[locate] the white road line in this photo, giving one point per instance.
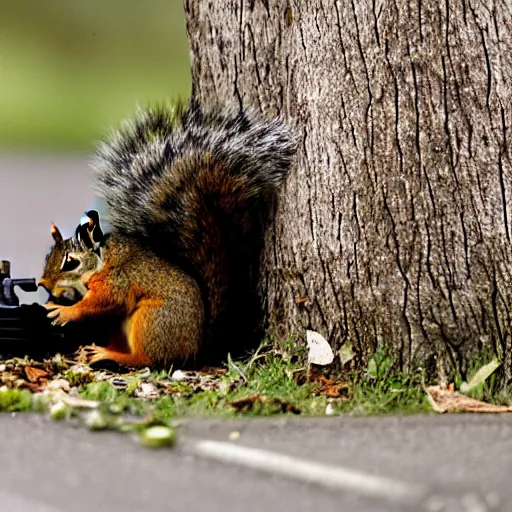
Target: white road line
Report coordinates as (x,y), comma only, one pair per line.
(326,475)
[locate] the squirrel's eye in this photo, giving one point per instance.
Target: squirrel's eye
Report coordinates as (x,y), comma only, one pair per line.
(69,263)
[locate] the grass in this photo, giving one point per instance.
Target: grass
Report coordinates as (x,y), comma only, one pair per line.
(275,380)
(491,389)
(13,400)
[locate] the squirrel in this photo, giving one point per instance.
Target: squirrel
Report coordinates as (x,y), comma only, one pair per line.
(189,191)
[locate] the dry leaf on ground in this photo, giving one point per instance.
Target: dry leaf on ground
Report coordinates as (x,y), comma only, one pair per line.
(34,374)
(247,403)
(444,400)
(329,387)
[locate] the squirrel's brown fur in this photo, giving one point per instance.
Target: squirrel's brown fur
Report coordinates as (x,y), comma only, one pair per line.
(188,194)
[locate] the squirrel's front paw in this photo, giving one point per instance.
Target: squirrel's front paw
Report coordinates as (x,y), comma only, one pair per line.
(60,315)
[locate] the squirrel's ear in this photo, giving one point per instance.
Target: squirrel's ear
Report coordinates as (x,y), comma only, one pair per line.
(57,237)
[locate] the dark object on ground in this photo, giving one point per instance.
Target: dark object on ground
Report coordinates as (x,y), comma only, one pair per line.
(25,329)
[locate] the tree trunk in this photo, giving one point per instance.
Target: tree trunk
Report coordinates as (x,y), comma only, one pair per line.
(394,227)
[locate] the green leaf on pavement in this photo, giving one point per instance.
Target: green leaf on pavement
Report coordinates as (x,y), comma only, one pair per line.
(157,436)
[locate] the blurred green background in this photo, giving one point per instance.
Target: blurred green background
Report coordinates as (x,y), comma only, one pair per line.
(70,69)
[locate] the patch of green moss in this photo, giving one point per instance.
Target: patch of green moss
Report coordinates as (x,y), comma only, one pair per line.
(12,400)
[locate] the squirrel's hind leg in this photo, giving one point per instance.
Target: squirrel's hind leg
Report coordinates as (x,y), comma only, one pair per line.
(95,354)
(169,332)
(155,334)
(125,347)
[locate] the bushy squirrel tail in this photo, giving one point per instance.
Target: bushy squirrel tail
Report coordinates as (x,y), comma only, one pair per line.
(195,185)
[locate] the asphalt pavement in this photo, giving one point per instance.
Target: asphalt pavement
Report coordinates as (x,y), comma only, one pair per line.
(460,463)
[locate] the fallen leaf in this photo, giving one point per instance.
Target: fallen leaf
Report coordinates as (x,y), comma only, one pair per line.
(346,354)
(119,383)
(329,410)
(319,350)
(213,371)
(285,406)
(34,374)
(59,384)
(158,436)
(247,403)
(444,400)
(146,390)
(76,402)
(480,376)
(328,387)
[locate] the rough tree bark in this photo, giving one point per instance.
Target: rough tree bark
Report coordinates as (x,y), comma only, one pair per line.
(395,226)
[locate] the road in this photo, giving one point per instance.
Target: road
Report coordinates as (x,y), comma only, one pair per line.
(458,463)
